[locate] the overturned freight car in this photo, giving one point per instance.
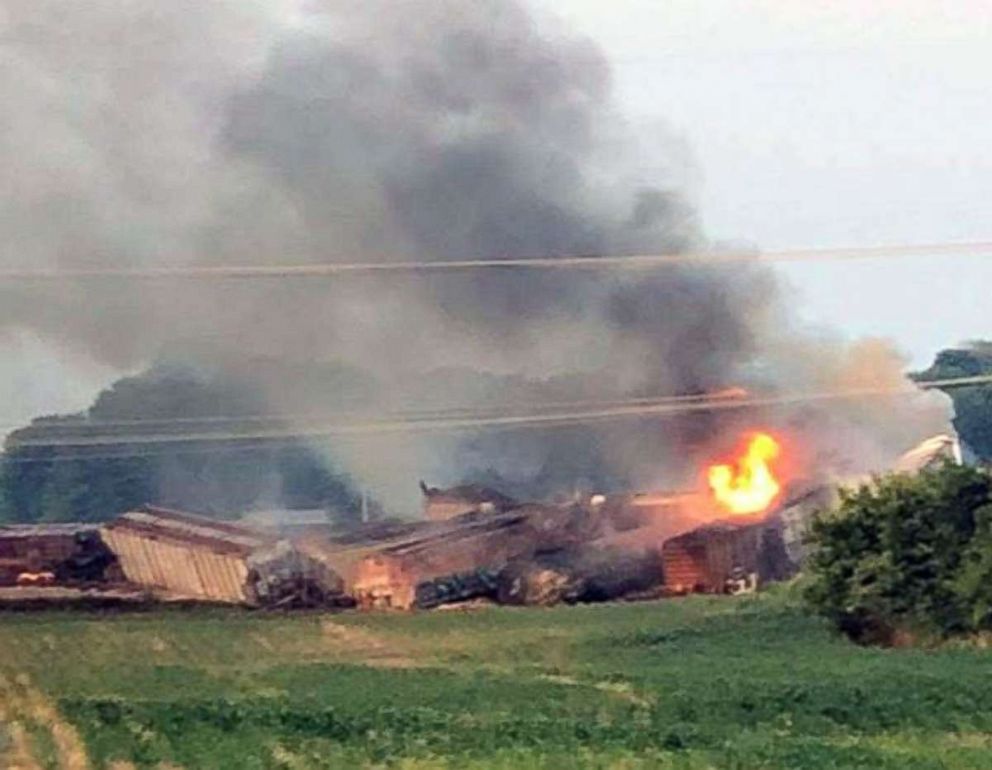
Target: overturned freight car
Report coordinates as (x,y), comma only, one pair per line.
(183,554)
(190,556)
(461,559)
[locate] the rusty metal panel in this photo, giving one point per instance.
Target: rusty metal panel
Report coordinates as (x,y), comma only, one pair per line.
(116,544)
(203,560)
(199,565)
(231,584)
(222,586)
(240,578)
(159,563)
(206,566)
(156,562)
(125,547)
(187,572)
(213,566)
(138,564)
(219,586)
(176,562)
(143,552)
(193,577)
(218,576)
(146,558)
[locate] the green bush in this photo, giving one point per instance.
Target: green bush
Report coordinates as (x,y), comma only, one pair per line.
(907,556)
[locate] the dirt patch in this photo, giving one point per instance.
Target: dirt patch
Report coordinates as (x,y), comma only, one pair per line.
(351,637)
(365,646)
(621,690)
(158,644)
(262,642)
(471,605)
(21,705)
(624,691)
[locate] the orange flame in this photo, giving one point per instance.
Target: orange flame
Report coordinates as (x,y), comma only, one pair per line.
(751,486)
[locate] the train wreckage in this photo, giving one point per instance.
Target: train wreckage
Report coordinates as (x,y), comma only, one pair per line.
(473,544)
(531,554)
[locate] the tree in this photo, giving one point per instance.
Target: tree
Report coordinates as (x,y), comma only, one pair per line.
(70,483)
(972,405)
(905,553)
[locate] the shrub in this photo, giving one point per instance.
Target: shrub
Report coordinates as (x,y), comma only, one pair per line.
(907,555)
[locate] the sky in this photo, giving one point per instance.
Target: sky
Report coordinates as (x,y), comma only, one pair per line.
(821,124)
(799,124)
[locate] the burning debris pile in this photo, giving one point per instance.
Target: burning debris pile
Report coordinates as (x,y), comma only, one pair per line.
(598,549)
(745,531)
(589,573)
(400,575)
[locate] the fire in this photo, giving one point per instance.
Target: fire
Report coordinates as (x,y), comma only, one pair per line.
(751,486)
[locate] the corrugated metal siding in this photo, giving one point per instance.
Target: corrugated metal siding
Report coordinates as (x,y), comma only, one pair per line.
(684,570)
(703,559)
(183,568)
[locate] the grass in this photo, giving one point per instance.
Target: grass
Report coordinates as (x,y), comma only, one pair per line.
(695,683)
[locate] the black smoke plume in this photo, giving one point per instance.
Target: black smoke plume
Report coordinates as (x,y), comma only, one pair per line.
(313,132)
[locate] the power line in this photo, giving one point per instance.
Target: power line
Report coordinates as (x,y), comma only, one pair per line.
(583,262)
(461,423)
(73,423)
(162,452)
(728,395)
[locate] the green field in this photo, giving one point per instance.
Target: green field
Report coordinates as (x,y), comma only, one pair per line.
(694,683)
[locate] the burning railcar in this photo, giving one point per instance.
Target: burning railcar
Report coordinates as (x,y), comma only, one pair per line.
(705,559)
(404,574)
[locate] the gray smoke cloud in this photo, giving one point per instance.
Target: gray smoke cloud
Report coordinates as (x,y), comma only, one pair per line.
(284,131)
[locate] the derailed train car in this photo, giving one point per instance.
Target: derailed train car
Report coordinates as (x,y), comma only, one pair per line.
(189,556)
(460,560)
(719,557)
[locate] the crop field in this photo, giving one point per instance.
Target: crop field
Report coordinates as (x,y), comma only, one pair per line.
(694,683)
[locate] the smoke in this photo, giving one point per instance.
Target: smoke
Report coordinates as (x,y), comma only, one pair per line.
(861,435)
(310,132)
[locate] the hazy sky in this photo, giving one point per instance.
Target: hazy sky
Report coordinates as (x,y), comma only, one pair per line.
(805,124)
(828,123)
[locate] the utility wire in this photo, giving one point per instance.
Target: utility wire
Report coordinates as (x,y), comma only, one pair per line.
(413,415)
(461,423)
(79,423)
(584,262)
(159,452)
